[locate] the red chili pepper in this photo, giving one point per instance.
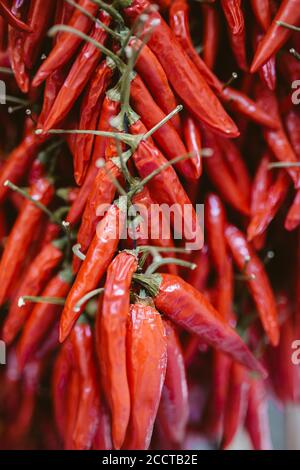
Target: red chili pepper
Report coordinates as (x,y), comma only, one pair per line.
(152,73)
(19,161)
(22,234)
(191,310)
(193,142)
(183,75)
(215,225)
(67,44)
(13,19)
(39,17)
(112,342)
(147,362)
(221,176)
(276,35)
(289,67)
(277,139)
(37,275)
(79,75)
(198,276)
(262,12)
(98,257)
(43,317)
(236,403)
(261,183)
(16,48)
(63,13)
(72,408)
(89,395)
(60,381)
(220,378)
(292,220)
(211,34)
(52,86)
(148,158)
(89,114)
(173,411)
(267,72)
(236,25)
(102,440)
(292,123)
(257,419)
(258,282)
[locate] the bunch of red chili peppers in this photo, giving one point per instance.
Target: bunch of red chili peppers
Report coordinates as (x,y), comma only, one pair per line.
(134,342)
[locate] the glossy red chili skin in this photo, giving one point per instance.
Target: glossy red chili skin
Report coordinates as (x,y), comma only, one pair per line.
(198,277)
(52,86)
(215,226)
(292,220)
(236,403)
(79,75)
(173,411)
(220,380)
(43,317)
(191,310)
(257,419)
(236,25)
(267,72)
(147,361)
(72,408)
(37,275)
(153,75)
(98,258)
(13,20)
(193,142)
(89,116)
(276,35)
(211,34)
(260,288)
(67,44)
(183,75)
(262,12)
(112,342)
(22,235)
(292,123)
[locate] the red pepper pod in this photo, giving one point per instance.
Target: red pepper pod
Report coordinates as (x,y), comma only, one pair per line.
(147,362)
(257,419)
(98,258)
(262,12)
(13,20)
(112,342)
(211,34)
(258,282)
(43,317)
(215,226)
(292,220)
(72,408)
(87,419)
(52,86)
(193,142)
(220,380)
(191,310)
(22,235)
(173,411)
(292,123)
(236,25)
(68,43)
(16,48)
(182,74)
(37,275)
(277,35)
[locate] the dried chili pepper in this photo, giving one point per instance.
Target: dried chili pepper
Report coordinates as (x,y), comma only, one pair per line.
(292,220)
(262,12)
(268,71)
(15,46)
(236,24)
(12,19)
(193,142)
(67,44)
(112,342)
(147,362)
(277,35)
(72,408)
(257,420)
(211,34)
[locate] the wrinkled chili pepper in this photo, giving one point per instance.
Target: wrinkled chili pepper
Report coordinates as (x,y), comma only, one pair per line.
(112,342)
(16,48)
(99,255)
(173,409)
(236,24)
(22,235)
(258,282)
(182,74)
(277,35)
(67,44)
(147,362)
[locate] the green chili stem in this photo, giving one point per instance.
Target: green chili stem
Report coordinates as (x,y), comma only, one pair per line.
(6,70)
(27,196)
(87,297)
(163,121)
(289,26)
(42,300)
(283,165)
(179,262)
(233,77)
(110,9)
(77,252)
(295,53)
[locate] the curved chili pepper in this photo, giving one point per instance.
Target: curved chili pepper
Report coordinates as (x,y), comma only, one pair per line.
(183,75)
(13,19)
(262,12)
(67,44)
(89,114)
(112,342)
(257,420)
(16,48)
(147,362)
(267,72)
(276,35)
(152,73)
(98,257)
(236,25)
(258,282)
(277,139)
(148,158)
(43,317)
(236,403)
(59,385)
(191,310)
(39,16)
(37,275)
(193,142)
(211,34)
(22,234)
(79,75)
(220,175)
(89,397)
(173,409)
